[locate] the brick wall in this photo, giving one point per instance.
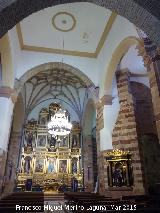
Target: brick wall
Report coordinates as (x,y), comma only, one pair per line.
(155,97)
(3,156)
(88,164)
(125,133)
(144,113)
(12,161)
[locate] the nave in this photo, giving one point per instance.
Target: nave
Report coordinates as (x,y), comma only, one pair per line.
(78,202)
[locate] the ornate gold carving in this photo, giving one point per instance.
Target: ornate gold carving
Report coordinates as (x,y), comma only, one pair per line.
(117,152)
(49,168)
(54,107)
(31,125)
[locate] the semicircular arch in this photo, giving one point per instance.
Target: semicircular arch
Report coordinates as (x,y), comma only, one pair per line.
(119,52)
(50,66)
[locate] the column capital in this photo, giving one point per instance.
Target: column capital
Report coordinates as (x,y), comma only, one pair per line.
(8,92)
(123,73)
(147,59)
(105,100)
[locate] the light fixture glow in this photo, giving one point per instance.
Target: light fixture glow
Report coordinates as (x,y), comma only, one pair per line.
(59,124)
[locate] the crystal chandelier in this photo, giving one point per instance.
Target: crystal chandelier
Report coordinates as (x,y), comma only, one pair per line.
(59,124)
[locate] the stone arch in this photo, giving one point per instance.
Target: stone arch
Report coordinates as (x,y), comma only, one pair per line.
(119,52)
(14,145)
(144,14)
(49,66)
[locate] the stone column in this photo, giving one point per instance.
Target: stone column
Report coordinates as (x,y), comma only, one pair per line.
(7,98)
(151,56)
(12,161)
(102,136)
(125,133)
(88,163)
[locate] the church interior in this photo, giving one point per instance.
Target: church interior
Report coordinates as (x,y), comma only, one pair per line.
(80,104)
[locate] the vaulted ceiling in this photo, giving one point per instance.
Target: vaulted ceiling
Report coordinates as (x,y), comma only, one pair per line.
(56,85)
(144,14)
(68,29)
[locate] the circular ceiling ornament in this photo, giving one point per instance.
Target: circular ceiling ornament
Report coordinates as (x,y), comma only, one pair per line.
(64,21)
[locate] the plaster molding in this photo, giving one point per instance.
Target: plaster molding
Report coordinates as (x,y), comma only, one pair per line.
(105,100)
(8,92)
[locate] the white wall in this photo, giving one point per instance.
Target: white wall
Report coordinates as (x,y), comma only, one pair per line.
(6,109)
(95,69)
(110,113)
(121,29)
(26,60)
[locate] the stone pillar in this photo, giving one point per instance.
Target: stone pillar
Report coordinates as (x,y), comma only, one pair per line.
(12,161)
(6,110)
(102,134)
(151,57)
(88,164)
(125,134)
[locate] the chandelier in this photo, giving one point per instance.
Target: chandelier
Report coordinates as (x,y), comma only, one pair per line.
(59,124)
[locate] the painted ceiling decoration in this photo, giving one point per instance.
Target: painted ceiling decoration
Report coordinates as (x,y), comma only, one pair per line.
(64,21)
(56,84)
(84,33)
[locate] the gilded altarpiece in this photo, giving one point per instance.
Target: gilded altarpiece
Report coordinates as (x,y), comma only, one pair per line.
(50,162)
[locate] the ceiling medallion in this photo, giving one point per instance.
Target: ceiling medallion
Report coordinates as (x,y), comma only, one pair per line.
(63,21)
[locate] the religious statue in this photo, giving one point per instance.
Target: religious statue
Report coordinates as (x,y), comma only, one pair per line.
(74,167)
(39,165)
(117,176)
(74,184)
(41,140)
(63,166)
(74,141)
(22,164)
(27,165)
(29,139)
(43,121)
(51,166)
(52,142)
(63,141)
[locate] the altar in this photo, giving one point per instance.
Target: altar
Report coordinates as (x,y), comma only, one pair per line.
(49,162)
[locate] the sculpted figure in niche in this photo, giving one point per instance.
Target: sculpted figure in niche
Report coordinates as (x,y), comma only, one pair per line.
(74,141)
(52,141)
(29,139)
(63,142)
(51,166)
(117,175)
(22,164)
(43,121)
(74,167)
(39,165)
(41,140)
(27,165)
(63,166)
